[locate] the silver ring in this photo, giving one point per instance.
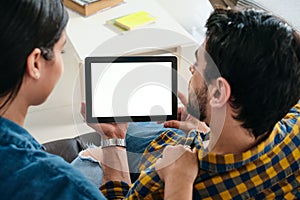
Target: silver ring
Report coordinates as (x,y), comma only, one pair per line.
(187,146)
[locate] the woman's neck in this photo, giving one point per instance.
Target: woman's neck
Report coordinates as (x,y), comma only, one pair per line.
(16,111)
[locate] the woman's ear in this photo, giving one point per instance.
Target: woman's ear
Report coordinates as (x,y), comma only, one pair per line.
(33,68)
(220,92)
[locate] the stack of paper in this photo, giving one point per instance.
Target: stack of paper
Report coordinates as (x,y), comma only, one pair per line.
(89,7)
(84,2)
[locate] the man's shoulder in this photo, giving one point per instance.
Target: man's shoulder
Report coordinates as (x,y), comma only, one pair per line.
(259,171)
(288,126)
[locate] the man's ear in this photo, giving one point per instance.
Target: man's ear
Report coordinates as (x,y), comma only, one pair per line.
(33,67)
(220,92)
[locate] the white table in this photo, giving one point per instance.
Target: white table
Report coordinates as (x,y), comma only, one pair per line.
(86,34)
(59,117)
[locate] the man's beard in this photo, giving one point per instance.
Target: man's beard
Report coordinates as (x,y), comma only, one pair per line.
(197,102)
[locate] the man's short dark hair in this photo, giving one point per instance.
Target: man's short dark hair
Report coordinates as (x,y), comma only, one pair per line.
(259,55)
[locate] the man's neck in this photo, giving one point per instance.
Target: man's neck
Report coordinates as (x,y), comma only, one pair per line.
(233,138)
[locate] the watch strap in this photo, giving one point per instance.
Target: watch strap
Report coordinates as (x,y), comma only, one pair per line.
(113,142)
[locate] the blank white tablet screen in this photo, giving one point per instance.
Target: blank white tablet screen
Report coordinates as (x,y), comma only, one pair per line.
(131,89)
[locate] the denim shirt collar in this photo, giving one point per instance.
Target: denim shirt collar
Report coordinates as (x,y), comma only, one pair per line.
(13,134)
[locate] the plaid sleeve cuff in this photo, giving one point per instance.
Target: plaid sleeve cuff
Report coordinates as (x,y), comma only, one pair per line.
(115,189)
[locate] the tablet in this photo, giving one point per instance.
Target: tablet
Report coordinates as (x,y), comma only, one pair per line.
(131,88)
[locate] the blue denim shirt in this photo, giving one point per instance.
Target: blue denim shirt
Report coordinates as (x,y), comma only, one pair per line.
(28,172)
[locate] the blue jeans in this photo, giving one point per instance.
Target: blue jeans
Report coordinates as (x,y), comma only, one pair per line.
(139,135)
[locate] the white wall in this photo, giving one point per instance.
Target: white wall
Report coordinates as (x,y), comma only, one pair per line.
(191,14)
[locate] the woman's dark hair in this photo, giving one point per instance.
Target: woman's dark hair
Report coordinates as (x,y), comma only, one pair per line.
(259,55)
(25,25)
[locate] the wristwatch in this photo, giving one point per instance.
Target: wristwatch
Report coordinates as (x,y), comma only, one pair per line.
(113,142)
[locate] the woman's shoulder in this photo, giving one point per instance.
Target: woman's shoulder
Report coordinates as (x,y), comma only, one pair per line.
(39,174)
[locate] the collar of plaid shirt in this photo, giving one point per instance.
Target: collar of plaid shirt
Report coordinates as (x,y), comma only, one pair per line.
(268,170)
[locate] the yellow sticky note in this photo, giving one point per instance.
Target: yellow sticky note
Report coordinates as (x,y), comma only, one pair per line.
(134,20)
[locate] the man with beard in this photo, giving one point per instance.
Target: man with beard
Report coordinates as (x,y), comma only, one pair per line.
(245,86)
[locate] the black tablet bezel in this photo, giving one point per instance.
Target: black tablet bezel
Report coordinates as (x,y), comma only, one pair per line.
(121,59)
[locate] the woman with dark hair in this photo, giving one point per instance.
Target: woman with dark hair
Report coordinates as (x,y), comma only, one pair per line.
(32,40)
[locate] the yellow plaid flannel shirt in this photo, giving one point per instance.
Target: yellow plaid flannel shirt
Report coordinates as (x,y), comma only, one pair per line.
(269,170)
